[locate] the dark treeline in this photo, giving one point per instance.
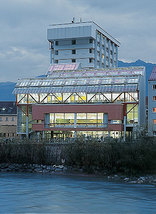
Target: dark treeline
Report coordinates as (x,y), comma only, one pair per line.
(90,155)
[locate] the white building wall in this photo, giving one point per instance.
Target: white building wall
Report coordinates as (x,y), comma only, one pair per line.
(62,35)
(151,105)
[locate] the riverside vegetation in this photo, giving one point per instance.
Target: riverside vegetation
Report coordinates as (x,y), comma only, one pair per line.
(89,155)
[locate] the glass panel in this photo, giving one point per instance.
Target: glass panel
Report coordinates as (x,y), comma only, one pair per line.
(132,116)
(21,98)
(92,118)
(52,118)
(54,98)
(59,118)
(43,98)
(69,119)
(33,98)
(81,116)
(65,96)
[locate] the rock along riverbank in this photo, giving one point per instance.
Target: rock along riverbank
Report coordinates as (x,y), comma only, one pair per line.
(60,169)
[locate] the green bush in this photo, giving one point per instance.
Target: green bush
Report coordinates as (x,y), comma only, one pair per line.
(113,157)
(91,155)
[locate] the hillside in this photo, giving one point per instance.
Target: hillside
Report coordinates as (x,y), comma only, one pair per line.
(6,89)
(148,66)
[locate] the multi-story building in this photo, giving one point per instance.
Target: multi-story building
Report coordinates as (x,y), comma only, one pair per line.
(82,42)
(152,103)
(8,119)
(98,102)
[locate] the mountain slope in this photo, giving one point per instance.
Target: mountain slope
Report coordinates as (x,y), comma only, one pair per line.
(6,88)
(148,66)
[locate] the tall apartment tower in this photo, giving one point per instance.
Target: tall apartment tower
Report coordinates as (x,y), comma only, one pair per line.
(82,42)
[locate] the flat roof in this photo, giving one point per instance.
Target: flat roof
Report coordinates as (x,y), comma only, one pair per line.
(90,81)
(71,24)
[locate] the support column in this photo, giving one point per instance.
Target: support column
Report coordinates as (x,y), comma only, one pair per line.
(108,133)
(95,53)
(51,52)
(100,50)
(113,55)
(38,136)
(105,52)
(43,134)
(116,56)
(75,134)
(75,120)
(109,53)
(105,119)
(27,126)
(124,128)
(27,117)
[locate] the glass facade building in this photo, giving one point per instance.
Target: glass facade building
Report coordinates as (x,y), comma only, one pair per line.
(97,102)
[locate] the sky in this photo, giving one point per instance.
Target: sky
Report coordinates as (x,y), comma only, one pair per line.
(24,49)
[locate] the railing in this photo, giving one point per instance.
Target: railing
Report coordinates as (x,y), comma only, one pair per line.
(78,125)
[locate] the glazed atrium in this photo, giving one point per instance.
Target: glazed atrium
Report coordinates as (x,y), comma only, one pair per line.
(70,102)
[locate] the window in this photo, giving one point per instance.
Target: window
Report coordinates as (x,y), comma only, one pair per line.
(90,50)
(73,51)
(56,61)
(154,86)
(154,133)
(90,40)
(74,42)
(90,60)
(154,98)
(13,119)
(6,119)
(56,43)
(73,60)
(154,110)
(56,52)
(0,118)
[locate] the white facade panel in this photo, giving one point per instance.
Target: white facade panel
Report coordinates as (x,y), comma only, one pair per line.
(82,37)
(68,32)
(151,105)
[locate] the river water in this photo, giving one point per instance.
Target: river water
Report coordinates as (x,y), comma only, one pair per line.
(35,193)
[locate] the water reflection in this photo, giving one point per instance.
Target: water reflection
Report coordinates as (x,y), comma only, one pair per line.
(34,193)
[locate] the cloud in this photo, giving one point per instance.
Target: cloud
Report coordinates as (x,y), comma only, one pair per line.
(23,23)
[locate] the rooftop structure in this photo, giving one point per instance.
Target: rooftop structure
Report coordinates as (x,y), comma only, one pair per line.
(82,42)
(68,102)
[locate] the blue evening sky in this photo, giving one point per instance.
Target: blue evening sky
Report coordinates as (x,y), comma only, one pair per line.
(23,25)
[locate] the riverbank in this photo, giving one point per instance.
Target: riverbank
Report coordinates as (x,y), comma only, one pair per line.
(63,170)
(133,162)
